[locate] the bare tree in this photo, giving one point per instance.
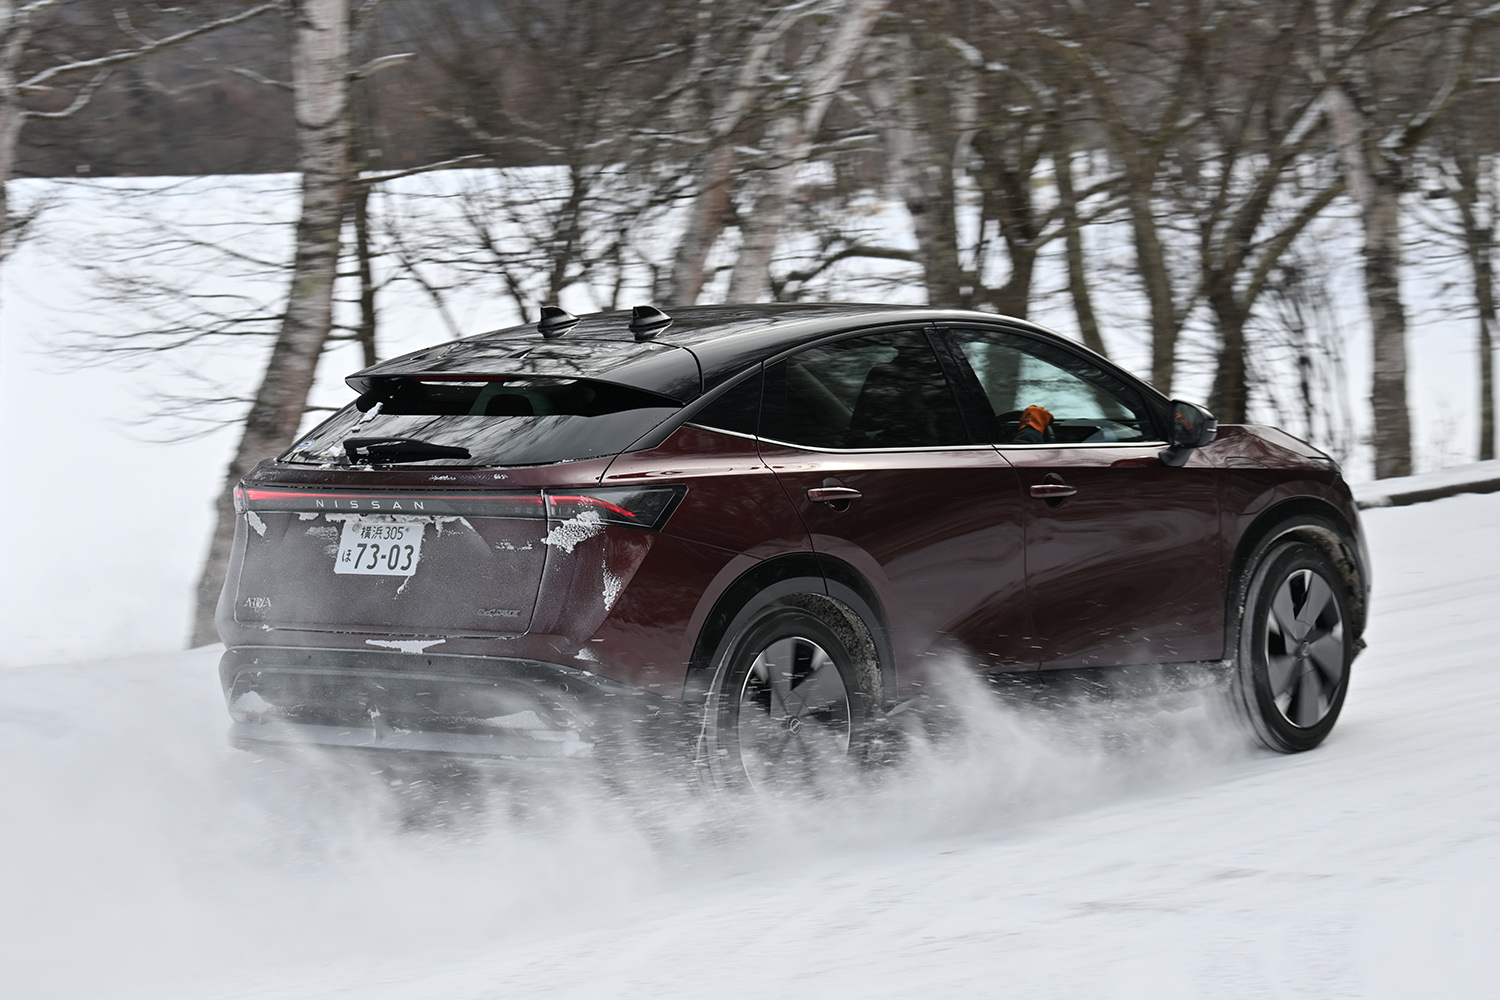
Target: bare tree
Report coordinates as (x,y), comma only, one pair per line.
(566,181)
(911,101)
(1252,187)
(720,86)
(1071,219)
(1468,178)
(812,82)
(320,77)
(971,113)
(1300,364)
(1476,197)
(1424,53)
(1141,65)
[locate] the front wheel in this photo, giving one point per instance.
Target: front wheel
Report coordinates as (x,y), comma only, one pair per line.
(789,702)
(1295,647)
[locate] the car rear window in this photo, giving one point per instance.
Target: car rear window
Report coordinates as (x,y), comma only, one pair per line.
(521,420)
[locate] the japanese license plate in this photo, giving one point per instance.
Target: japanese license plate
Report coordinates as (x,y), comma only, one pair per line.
(379,547)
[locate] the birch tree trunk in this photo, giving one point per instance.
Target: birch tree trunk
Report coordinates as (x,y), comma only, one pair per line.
(790,144)
(711,203)
(1479,246)
(320,77)
(750,281)
(920,165)
(705,223)
(1376,186)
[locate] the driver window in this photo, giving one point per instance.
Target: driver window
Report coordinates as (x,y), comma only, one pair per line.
(1086,404)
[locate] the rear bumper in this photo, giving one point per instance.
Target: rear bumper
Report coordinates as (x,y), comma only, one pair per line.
(249,735)
(455,705)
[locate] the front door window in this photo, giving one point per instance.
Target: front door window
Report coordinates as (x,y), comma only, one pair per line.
(1087,405)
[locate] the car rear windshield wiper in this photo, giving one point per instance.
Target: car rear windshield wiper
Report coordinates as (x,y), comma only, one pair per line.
(386,450)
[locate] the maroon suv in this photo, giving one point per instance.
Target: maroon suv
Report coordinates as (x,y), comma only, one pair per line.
(765,520)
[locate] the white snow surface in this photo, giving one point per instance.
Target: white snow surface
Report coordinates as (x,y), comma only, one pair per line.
(1478,477)
(1087,853)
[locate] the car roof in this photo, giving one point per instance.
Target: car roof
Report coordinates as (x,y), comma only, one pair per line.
(702,347)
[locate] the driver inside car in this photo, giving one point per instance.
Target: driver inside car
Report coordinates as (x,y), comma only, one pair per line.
(1034,423)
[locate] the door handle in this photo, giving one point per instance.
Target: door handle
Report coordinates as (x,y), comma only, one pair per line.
(1053,491)
(833,494)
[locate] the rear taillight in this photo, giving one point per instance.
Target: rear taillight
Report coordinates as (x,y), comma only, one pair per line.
(645,507)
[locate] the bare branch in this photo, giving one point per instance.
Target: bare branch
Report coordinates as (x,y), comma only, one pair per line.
(381,62)
(854,250)
(80,99)
(391,175)
(1279,244)
(38,81)
(259,78)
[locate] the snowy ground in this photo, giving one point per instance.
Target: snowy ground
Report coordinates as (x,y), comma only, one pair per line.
(1080,855)
(1476,477)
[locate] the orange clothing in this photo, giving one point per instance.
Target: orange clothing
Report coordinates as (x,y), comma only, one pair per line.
(1036,418)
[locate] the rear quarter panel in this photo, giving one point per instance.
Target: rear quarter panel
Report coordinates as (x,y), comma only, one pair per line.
(734,514)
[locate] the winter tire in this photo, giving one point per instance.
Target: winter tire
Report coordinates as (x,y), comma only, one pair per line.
(789,701)
(1296,642)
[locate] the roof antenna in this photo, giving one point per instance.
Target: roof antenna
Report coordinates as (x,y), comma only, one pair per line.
(555,322)
(647,321)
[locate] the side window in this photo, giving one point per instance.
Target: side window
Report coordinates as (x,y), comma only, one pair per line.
(738,410)
(885,390)
(1088,405)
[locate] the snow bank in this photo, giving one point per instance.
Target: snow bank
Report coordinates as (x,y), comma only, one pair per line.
(1480,477)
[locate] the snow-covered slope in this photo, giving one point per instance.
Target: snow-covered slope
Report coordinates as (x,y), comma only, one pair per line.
(1093,854)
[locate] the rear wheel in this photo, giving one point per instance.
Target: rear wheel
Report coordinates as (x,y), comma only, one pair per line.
(790,698)
(1295,647)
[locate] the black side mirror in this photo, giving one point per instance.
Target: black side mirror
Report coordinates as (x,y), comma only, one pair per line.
(1192,427)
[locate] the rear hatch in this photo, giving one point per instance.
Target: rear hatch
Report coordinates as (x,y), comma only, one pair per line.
(408,562)
(430,560)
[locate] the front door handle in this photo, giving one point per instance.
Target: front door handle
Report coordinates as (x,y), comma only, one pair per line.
(1053,491)
(833,494)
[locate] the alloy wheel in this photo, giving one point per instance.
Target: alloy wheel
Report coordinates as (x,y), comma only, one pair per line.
(1304,648)
(794,713)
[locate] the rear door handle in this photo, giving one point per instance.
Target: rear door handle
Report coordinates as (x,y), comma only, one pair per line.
(833,494)
(1053,491)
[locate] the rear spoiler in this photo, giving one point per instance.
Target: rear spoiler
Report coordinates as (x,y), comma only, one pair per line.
(655,367)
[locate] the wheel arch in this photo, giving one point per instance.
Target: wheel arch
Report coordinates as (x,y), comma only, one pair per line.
(780,577)
(1299,517)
